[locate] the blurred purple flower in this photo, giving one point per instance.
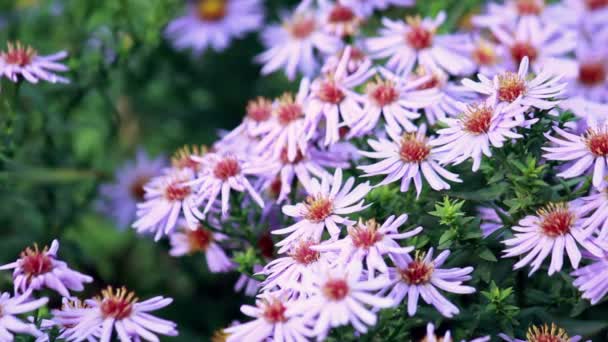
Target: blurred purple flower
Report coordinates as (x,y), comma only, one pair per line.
(23,61)
(10,308)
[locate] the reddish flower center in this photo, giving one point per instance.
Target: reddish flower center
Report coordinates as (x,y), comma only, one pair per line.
(529,7)
(274,312)
(288,111)
(35,262)
(182,158)
(18,54)
(519,50)
(547,334)
(382,93)
(117,304)
(365,235)
(176,191)
(199,239)
(341,14)
(484,54)
(259,109)
(330,93)
(595,5)
(266,245)
(510,87)
(283,156)
(412,149)
(556,219)
(417,272)
(335,289)
(226,168)
(418,37)
(302,27)
(274,189)
(597,142)
(211,10)
(137,187)
(305,255)
(591,74)
(478,119)
(433,82)
(319,208)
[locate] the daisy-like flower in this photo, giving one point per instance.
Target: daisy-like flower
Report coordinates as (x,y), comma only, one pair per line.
(365,8)
(421,276)
(10,308)
(332,96)
(587,151)
(487,55)
(416,41)
(395,100)
(222,173)
(37,269)
(325,207)
(480,126)
(273,319)
(341,297)
(552,230)
(592,280)
(339,19)
(509,87)
(290,127)
(357,59)
(405,158)
(431,336)
(65,318)
(115,310)
(543,333)
(201,240)
(593,210)
(167,196)
(119,199)
(214,23)
(21,61)
(370,242)
(296,270)
(311,163)
(185,157)
(511,13)
(542,44)
(294,45)
(258,119)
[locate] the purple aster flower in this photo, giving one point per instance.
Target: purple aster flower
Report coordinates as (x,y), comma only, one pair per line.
(593,210)
(325,208)
(577,14)
(587,151)
(247,284)
(23,61)
(222,173)
(487,55)
(480,127)
(37,269)
(342,297)
(543,333)
(421,276)
(357,59)
(395,100)
(10,307)
(167,196)
(290,128)
(509,87)
(370,242)
(365,8)
(490,220)
(511,13)
(119,199)
(416,41)
(214,23)
(201,240)
(332,96)
(273,319)
(592,280)
(115,310)
(431,336)
(408,157)
(313,162)
(65,318)
(295,44)
(554,229)
(542,44)
(258,119)
(339,19)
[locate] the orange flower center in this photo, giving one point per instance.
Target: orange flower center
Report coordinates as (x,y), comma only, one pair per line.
(341,14)
(305,255)
(117,304)
(319,208)
(556,219)
(417,272)
(211,10)
(547,334)
(18,54)
(365,235)
(382,92)
(412,149)
(519,50)
(484,54)
(274,312)
(597,142)
(510,87)
(176,191)
(418,37)
(302,27)
(478,119)
(288,111)
(330,93)
(35,262)
(259,109)
(591,74)
(182,158)
(199,239)
(226,168)
(529,7)
(335,289)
